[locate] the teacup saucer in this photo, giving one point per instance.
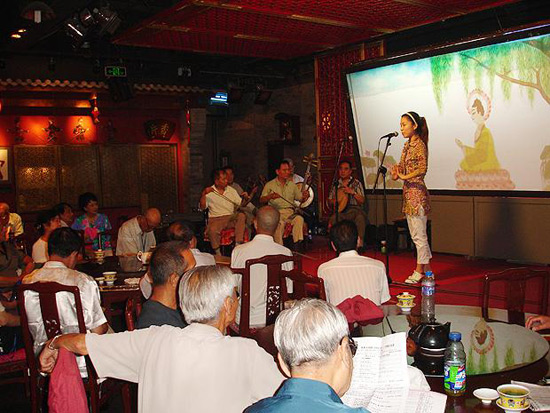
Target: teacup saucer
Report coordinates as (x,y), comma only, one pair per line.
(513,409)
(406,309)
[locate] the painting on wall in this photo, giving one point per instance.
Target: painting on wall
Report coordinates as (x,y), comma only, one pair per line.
(5,175)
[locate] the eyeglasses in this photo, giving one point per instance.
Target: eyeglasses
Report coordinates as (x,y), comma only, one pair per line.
(352,345)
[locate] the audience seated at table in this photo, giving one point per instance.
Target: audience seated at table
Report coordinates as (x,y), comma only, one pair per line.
(165,269)
(316,352)
(66,214)
(10,221)
(63,247)
(183,231)
(192,369)
(46,222)
(351,274)
(146,282)
(266,223)
(93,224)
(137,234)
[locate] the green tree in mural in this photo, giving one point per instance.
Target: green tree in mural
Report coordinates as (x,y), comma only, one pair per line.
(525,63)
(495,360)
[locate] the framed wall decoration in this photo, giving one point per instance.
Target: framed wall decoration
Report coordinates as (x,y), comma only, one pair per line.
(5,172)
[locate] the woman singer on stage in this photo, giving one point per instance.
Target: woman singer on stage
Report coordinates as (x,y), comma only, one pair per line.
(416,200)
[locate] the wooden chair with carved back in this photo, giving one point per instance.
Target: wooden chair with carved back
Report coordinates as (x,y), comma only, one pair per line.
(47,293)
(277,293)
(132,312)
(515,282)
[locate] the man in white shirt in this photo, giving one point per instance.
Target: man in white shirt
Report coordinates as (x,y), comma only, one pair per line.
(10,221)
(63,246)
(263,244)
(182,231)
(351,274)
(194,369)
(136,234)
(222,202)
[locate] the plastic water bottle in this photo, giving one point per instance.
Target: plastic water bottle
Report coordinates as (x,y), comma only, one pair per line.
(427,308)
(454,370)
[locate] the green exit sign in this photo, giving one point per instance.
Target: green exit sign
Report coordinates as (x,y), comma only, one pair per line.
(115,71)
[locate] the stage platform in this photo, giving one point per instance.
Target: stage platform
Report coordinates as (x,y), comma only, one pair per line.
(459,279)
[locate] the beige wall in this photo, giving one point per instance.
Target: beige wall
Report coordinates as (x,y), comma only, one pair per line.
(507,228)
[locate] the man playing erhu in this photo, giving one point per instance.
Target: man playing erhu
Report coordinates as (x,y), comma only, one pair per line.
(223,204)
(281,193)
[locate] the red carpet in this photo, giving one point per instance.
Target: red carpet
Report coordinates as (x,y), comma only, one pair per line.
(459,280)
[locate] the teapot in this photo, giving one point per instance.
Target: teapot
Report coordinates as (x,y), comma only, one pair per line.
(431,336)
(431,340)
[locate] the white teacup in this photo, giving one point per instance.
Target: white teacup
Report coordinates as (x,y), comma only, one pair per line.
(144,257)
(109,275)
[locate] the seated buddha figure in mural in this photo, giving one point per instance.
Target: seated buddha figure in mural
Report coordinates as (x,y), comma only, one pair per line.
(480,168)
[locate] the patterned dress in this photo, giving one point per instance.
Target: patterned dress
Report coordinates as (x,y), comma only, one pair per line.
(93,229)
(415,193)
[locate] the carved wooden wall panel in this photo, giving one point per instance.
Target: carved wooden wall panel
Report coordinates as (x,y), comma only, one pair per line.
(159,183)
(79,172)
(36,177)
(120,175)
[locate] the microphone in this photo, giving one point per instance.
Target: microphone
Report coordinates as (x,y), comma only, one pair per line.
(389,135)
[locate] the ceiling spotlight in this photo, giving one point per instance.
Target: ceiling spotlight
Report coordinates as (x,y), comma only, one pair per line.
(76,30)
(86,17)
(37,11)
(15,36)
(107,19)
(22,31)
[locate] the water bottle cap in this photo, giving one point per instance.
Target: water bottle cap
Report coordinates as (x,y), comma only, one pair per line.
(455,336)
(429,274)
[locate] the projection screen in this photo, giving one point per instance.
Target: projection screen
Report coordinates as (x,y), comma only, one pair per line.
(487,109)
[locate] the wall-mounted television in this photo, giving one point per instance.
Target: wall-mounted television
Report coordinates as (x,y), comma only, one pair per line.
(487,106)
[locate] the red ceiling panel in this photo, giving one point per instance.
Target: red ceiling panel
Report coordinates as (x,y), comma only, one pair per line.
(284,29)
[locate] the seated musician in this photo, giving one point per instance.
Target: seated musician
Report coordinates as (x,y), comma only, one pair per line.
(281,193)
(222,202)
(293,175)
(249,209)
(352,192)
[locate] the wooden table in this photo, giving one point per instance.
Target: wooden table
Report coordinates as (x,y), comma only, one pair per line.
(113,298)
(515,342)
(529,372)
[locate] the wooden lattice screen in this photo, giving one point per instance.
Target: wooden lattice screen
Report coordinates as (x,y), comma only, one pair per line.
(120,175)
(158,176)
(120,169)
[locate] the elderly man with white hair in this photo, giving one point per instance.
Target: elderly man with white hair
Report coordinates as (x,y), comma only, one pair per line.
(194,369)
(317,354)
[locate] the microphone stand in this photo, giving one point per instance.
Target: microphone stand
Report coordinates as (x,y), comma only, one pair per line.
(382,170)
(335,180)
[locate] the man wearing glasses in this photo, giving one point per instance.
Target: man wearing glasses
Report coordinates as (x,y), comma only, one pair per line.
(317,354)
(137,234)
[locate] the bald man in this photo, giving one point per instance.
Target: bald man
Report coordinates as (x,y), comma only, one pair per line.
(10,222)
(266,223)
(137,234)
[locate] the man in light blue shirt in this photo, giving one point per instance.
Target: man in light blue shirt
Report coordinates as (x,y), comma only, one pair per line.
(316,352)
